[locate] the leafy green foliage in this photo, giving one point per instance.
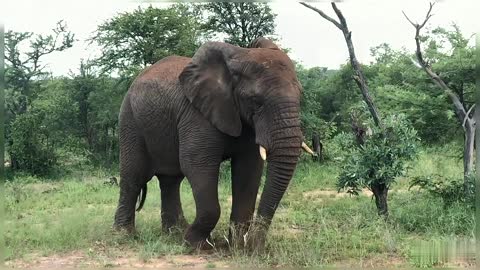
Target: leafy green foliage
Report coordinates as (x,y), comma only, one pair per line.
(31,149)
(399,85)
(453,59)
(29,143)
(337,147)
(47,124)
(240,22)
(449,189)
(133,40)
(24,66)
(311,105)
(98,100)
(381,158)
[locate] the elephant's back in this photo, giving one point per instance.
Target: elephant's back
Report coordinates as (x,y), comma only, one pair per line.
(166,69)
(155,103)
(155,97)
(157,87)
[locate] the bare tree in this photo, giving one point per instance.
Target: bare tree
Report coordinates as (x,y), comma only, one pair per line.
(463,115)
(358,77)
(380,190)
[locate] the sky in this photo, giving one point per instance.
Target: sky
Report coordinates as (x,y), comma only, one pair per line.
(313,40)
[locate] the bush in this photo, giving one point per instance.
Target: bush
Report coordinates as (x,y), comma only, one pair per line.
(31,148)
(449,189)
(336,148)
(381,158)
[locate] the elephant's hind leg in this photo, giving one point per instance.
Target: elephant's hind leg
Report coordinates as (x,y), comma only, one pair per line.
(172,213)
(134,175)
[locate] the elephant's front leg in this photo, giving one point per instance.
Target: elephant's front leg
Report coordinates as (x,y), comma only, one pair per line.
(246,174)
(204,183)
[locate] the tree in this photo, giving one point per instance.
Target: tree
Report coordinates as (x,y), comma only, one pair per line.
(380,159)
(376,184)
(359,77)
(311,114)
(24,67)
(463,114)
(98,99)
(24,72)
(399,87)
(134,40)
(241,22)
(47,124)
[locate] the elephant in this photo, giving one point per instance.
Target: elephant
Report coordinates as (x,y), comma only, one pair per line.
(182,117)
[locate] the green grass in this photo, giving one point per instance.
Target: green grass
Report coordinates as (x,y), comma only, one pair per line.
(76,214)
(443,161)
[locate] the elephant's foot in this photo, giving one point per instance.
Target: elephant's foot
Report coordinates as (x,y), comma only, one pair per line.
(254,239)
(247,237)
(198,241)
(237,234)
(170,225)
(255,242)
(128,229)
(205,245)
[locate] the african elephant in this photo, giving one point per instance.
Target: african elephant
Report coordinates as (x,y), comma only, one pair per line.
(182,117)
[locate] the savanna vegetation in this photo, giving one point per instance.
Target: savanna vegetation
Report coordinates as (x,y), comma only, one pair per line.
(62,149)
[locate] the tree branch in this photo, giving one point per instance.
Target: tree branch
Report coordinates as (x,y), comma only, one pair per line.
(340,16)
(427,17)
(467,115)
(359,77)
(324,15)
(459,108)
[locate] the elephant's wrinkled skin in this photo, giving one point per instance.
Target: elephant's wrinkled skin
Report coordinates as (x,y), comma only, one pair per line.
(183,117)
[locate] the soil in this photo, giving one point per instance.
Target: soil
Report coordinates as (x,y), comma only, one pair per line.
(129,260)
(125,260)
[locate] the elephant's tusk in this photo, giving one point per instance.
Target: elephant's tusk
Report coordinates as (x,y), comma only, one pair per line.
(307,149)
(245,238)
(208,242)
(263,153)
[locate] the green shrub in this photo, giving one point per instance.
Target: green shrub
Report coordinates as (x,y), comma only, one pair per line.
(449,189)
(336,148)
(381,158)
(32,147)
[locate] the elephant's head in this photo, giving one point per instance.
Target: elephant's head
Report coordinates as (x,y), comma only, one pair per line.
(256,86)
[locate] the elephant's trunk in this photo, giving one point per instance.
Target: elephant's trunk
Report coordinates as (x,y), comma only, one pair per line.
(283,150)
(279,174)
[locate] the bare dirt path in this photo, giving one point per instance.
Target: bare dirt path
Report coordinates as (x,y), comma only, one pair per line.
(128,260)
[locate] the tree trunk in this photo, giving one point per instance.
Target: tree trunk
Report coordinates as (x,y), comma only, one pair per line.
(358,76)
(477,140)
(463,115)
(468,152)
(317,147)
(380,191)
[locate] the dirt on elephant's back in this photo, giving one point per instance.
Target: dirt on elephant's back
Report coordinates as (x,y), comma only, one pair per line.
(127,260)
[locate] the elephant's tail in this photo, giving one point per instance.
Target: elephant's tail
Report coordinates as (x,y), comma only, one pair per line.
(142,196)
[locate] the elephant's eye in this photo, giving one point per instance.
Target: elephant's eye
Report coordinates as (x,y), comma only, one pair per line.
(235,78)
(258,100)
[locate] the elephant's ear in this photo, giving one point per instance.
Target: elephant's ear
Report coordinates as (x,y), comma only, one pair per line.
(261,42)
(207,84)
